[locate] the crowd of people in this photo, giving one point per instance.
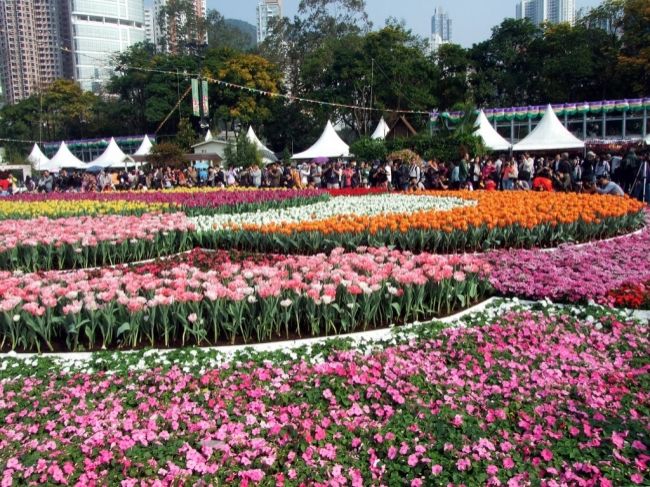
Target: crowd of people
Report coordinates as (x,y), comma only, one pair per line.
(594,173)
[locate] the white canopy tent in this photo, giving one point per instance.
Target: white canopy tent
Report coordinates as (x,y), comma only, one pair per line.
(381,131)
(145,147)
(549,134)
(328,145)
(64,159)
(267,154)
(113,156)
(491,138)
(38,160)
(208,136)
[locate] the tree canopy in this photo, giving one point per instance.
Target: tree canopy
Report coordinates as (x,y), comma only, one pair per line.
(330,52)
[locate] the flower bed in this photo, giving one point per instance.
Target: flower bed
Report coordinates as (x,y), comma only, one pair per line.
(631,296)
(493,219)
(573,274)
(367,206)
(525,398)
(44,243)
(191,201)
(213,298)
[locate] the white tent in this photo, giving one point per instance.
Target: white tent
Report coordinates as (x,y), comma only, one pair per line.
(65,159)
(38,160)
(381,131)
(328,145)
(145,147)
(549,134)
(647,140)
(112,156)
(208,136)
(267,154)
(490,136)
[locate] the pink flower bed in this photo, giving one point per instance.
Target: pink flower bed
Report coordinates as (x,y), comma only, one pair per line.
(570,273)
(210,296)
(186,199)
(88,231)
(526,399)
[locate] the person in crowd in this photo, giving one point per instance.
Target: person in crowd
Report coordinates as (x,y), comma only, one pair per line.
(563,172)
(256,176)
(5,184)
(605,186)
(602,167)
(46,182)
(476,175)
(543,181)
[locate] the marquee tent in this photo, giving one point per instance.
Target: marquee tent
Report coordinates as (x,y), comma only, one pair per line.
(38,160)
(267,154)
(328,145)
(549,134)
(381,131)
(112,156)
(64,159)
(491,138)
(145,147)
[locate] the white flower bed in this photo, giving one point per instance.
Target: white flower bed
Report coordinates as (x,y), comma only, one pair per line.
(336,207)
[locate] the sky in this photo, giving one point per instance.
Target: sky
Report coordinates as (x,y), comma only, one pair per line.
(472,19)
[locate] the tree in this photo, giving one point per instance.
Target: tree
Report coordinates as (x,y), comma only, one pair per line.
(634,58)
(575,64)
(455,65)
(151,84)
(388,65)
(291,41)
(367,149)
(253,72)
(166,154)
(607,16)
(504,73)
(243,153)
(185,136)
(184,27)
(222,34)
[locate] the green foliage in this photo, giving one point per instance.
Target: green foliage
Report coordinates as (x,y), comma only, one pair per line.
(634,57)
(243,153)
(186,136)
(367,149)
(229,33)
(166,154)
(189,27)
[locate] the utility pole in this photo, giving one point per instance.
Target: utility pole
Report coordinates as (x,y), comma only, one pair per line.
(372,87)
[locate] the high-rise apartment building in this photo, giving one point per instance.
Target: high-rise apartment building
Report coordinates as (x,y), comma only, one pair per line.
(267,11)
(149,26)
(173,28)
(440,29)
(32,35)
(101,28)
(553,11)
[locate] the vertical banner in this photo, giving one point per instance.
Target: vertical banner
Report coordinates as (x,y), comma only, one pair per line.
(195,97)
(204,98)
